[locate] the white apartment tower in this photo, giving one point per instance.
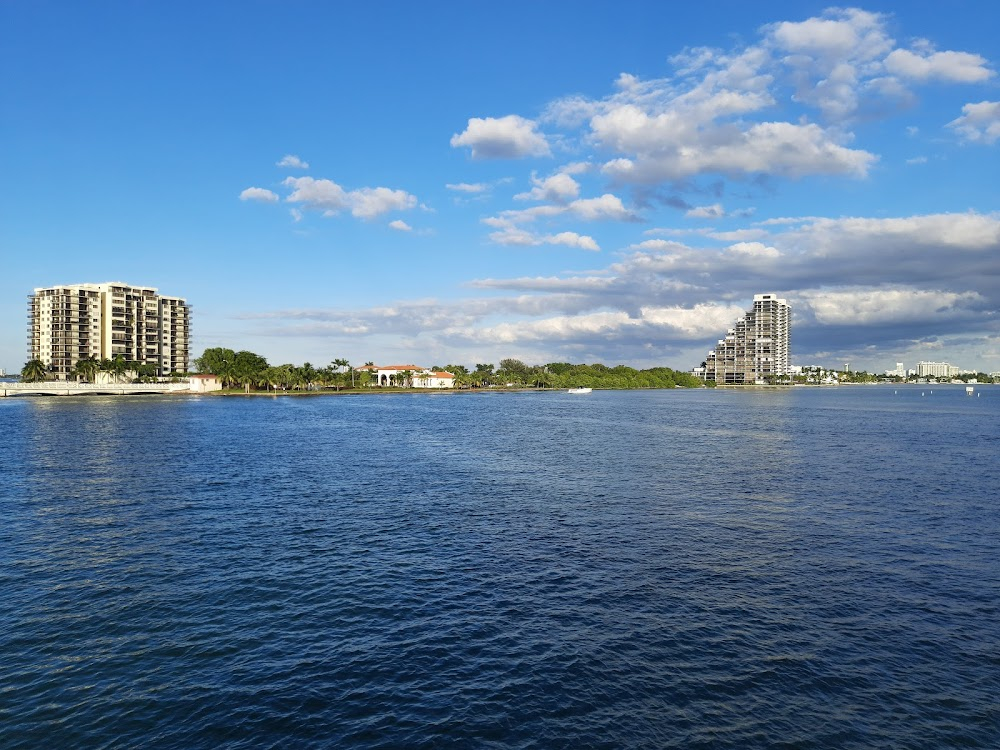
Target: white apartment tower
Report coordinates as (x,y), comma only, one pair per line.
(755,351)
(77,321)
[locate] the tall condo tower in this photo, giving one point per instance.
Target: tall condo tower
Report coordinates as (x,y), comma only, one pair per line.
(755,351)
(77,321)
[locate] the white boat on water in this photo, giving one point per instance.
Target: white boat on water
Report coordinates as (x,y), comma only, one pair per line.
(579,390)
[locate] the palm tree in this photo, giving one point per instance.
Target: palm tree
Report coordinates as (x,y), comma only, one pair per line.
(309,374)
(33,371)
(87,368)
(343,363)
(118,367)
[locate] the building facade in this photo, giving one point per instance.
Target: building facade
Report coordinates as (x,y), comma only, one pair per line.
(756,349)
(936,370)
(103,321)
(409,376)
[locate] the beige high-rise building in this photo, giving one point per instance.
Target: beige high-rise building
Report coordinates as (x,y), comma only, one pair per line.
(756,350)
(76,321)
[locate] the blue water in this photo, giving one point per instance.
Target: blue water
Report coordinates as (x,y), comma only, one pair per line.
(790,568)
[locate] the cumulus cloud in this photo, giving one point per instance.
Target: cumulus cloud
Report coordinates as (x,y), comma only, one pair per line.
(262,195)
(882,306)
(557,188)
(368,203)
(325,195)
(511,235)
(510,137)
(979,123)
(961,67)
(331,199)
(400,225)
(292,162)
(722,112)
(572,239)
(778,148)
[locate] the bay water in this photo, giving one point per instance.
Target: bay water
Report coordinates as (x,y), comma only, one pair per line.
(796,568)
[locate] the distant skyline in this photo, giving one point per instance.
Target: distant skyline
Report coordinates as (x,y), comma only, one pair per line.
(456,182)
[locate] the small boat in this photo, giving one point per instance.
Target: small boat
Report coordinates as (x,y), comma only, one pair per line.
(579,390)
(969,390)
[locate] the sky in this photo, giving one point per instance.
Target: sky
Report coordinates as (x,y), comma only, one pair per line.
(459,182)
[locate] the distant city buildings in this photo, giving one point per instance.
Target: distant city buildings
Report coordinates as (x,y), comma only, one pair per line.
(756,350)
(899,372)
(104,321)
(936,370)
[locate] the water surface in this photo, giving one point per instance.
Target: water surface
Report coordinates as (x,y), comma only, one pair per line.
(765,568)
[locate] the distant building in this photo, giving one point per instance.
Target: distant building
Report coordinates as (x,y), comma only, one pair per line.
(899,372)
(756,350)
(204,383)
(410,376)
(103,321)
(936,370)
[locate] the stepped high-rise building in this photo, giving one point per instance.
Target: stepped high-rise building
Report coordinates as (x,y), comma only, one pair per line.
(756,350)
(102,321)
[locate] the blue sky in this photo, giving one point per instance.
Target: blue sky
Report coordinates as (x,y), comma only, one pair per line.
(460,182)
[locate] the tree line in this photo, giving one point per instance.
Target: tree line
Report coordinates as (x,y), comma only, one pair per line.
(251,371)
(86,369)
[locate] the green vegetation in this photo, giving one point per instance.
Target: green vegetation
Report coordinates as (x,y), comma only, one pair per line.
(87,368)
(33,371)
(251,372)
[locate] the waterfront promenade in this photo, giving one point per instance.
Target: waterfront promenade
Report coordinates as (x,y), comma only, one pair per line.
(86,389)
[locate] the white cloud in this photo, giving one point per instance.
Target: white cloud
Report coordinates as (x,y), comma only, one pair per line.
(516,236)
(656,322)
(572,239)
(607,206)
(509,137)
(292,162)
(400,225)
(881,306)
(321,194)
(779,148)
(466,187)
(754,250)
(712,115)
(510,235)
(262,195)
(715,211)
(959,67)
(917,160)
(840,34)
(979,123)
(369,203)
(330,198)
(557,188)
